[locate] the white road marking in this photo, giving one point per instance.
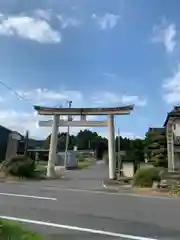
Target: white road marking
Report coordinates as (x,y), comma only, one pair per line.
(110,193)
(28,196)
(75,228)
(97,191)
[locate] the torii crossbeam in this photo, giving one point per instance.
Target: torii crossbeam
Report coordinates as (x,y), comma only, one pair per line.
(83,112)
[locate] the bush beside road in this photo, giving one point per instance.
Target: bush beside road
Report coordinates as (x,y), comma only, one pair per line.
(144,177)
(10,230)
(83,164)
(22,167)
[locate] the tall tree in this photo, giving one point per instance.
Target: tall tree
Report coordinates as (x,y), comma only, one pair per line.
(91,140)
(156,146)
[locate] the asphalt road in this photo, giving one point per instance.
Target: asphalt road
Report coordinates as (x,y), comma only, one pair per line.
(76,209)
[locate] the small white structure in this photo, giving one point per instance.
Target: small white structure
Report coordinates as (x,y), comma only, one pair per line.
(75,148)
(71,160)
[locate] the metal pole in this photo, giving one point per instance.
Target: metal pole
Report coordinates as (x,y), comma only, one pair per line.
(67,137)
(119,152)
(118,148)
(26,143)
(89,144)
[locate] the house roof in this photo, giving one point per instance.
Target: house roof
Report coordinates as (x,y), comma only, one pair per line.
(156,129)
(175,113)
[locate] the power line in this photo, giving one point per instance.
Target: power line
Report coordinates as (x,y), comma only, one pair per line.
(17,94)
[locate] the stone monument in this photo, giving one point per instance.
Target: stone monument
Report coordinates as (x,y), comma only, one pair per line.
(12,145)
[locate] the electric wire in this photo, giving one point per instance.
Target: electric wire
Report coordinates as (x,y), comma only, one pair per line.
(16,93)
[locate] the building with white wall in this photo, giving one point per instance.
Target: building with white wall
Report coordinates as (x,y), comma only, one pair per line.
(172,124)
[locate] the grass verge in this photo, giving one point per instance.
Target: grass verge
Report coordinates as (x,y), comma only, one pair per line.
(14,231)
(83,164)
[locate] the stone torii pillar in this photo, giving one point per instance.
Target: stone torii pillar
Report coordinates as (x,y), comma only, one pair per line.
(53,147)
(111,147)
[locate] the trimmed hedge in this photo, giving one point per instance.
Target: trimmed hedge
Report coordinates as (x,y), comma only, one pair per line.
(144,177)
(20,166)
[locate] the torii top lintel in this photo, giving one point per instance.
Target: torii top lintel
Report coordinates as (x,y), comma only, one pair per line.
(124,110)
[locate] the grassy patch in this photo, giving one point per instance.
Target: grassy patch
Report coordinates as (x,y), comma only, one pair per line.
(41,168)
(13,231)
(175,190)
(42,163)
(40,171)
(83,164)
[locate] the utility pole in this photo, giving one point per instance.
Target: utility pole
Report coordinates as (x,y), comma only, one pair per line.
(67,137)
(26,140)
(119,152)
(89,144)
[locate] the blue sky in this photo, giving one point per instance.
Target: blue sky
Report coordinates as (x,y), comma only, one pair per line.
(96,53)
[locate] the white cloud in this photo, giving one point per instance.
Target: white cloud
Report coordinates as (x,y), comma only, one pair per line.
(171,87)
(108,21)
(22,121)
(29,28)
(65,22)
(44,14)
(133,100)
(68,21)
(130,135)
(166,34)
(45,97)
(18,120)
(108,98)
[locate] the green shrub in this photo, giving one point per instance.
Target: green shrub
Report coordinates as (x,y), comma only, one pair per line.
(20,166)
(175,190)
(144,177)
(81,158)
(14,231)
(83,164)
(161,162)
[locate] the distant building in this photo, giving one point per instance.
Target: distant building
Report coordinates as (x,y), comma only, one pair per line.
(5,133)
(172,125)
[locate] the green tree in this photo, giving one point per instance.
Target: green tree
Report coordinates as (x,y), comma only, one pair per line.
(46,143)
(155,146)
(87,139)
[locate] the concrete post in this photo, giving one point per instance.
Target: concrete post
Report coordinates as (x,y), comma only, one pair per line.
(12,145)
(53,147)
(67,138)
(111,147)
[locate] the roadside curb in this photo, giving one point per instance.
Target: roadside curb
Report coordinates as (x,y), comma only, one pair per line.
(128,190)
(116,187)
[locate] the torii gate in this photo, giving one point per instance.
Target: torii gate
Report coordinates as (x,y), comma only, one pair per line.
(83,112)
